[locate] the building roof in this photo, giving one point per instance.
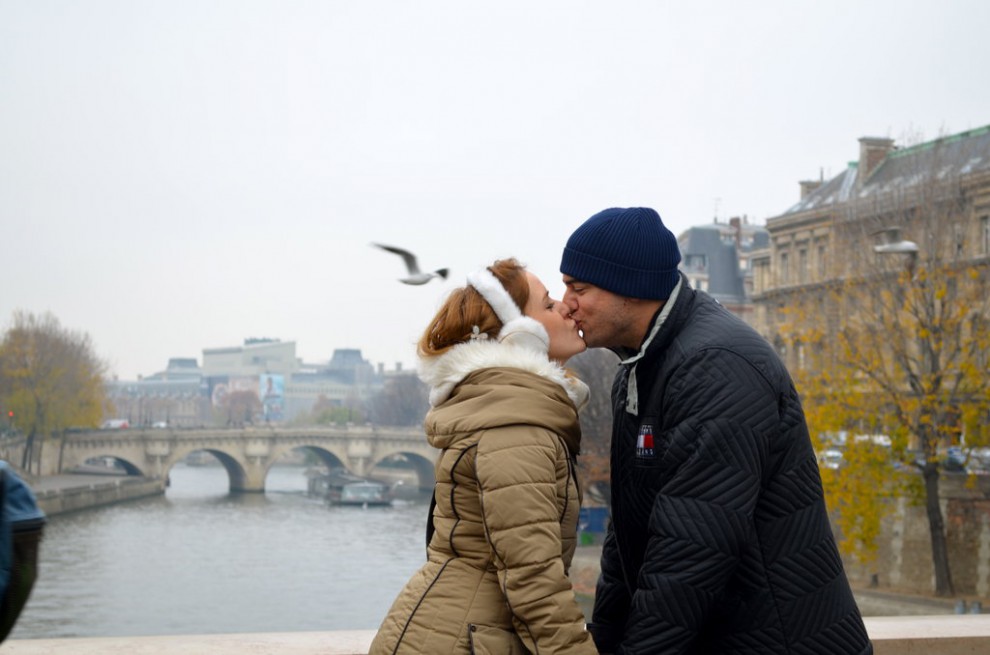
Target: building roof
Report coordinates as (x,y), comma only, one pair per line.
(835,191)
(959,154)
(346,358)
(718,245)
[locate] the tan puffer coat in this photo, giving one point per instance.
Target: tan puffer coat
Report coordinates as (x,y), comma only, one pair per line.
(506,512)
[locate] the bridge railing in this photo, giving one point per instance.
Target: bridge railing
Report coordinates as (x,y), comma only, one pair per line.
(248,431)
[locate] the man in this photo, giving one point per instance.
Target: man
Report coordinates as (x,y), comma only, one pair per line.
(719,540)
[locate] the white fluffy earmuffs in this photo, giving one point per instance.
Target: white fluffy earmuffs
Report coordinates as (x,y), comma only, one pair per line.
(517,328)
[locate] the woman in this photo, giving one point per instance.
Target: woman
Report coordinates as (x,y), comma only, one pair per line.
(503,525)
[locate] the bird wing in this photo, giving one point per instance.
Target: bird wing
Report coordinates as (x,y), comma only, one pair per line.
(407,257)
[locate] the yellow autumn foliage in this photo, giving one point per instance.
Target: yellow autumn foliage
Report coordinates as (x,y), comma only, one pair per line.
(50,379)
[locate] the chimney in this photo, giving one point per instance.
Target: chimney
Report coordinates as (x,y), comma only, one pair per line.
(808,186)
(872,152)
(736,224)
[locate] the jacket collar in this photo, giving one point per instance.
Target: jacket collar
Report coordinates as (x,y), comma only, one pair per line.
(651,345)
(630,357)
(444,372)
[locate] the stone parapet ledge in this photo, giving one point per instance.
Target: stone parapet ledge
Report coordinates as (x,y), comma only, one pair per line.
(891,635)
(338,642)
(966,634)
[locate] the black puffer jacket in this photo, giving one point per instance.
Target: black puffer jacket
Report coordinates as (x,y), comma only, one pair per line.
(719,541)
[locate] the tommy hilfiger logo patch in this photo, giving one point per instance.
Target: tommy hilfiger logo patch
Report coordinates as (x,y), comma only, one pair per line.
(644,443)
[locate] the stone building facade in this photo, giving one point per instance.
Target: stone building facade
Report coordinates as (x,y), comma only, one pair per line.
(832,232)
(882,226)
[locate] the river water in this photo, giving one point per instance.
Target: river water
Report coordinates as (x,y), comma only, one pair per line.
(199,560)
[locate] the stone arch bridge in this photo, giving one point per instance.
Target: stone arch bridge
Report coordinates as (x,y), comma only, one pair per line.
(247,454)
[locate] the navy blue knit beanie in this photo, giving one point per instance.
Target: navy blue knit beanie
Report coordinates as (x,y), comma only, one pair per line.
(627,251)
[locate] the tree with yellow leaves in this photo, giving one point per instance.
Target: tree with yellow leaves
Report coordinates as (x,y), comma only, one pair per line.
(916,352)
(857,489)
(51,379)
(897,339)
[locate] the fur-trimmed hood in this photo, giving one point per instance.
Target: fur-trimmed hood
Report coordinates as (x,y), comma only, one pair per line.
(443,372)
(485,385)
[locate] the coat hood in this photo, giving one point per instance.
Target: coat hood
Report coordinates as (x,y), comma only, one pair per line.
(485,384)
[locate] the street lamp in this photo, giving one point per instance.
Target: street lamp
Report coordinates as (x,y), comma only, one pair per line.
(897,247)
(892,244)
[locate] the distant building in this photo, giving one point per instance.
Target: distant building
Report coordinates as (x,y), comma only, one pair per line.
(185,395)
(346,380)
(255,357)
(716,259)
(173,397)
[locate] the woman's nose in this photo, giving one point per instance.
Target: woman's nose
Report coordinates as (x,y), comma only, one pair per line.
(569,301)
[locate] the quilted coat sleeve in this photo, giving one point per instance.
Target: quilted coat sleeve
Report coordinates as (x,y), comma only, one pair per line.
(518,469)
(703,516)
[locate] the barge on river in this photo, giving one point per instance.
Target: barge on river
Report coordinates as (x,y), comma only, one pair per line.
(340,487)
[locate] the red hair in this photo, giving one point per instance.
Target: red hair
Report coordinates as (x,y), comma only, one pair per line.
(465,308)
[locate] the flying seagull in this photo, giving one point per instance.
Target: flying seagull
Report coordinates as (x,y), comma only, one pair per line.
(415,277)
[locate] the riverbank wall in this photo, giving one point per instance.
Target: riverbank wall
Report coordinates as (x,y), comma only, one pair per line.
(904,548)
(62,494)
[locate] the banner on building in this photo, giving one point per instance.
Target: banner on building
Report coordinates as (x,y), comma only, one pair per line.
(271,391)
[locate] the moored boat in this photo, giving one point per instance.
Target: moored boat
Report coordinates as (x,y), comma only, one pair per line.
(339,487)
(364,493)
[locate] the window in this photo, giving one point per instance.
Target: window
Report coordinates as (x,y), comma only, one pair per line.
(695,262)
(761,275)
(802,265)
(985,234)
(979,330)
(822,263)
(781,347)
(784,264)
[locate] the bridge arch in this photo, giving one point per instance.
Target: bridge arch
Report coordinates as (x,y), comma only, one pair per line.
(332,456)
(421,467)
(246,453)
(237,475)
(112,463)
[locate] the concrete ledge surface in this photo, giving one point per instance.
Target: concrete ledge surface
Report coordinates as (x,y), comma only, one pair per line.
(900,635)
(338,642)
(950,634)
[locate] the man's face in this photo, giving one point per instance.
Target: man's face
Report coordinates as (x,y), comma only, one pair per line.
(601,315)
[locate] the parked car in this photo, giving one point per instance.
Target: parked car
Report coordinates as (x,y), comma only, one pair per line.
(954,460)
(831,458)
(979,462)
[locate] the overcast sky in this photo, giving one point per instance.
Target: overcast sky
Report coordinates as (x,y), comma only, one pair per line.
(183,174)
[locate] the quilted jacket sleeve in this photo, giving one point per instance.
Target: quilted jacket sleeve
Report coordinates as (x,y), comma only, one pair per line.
(702,519)
(518,469)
